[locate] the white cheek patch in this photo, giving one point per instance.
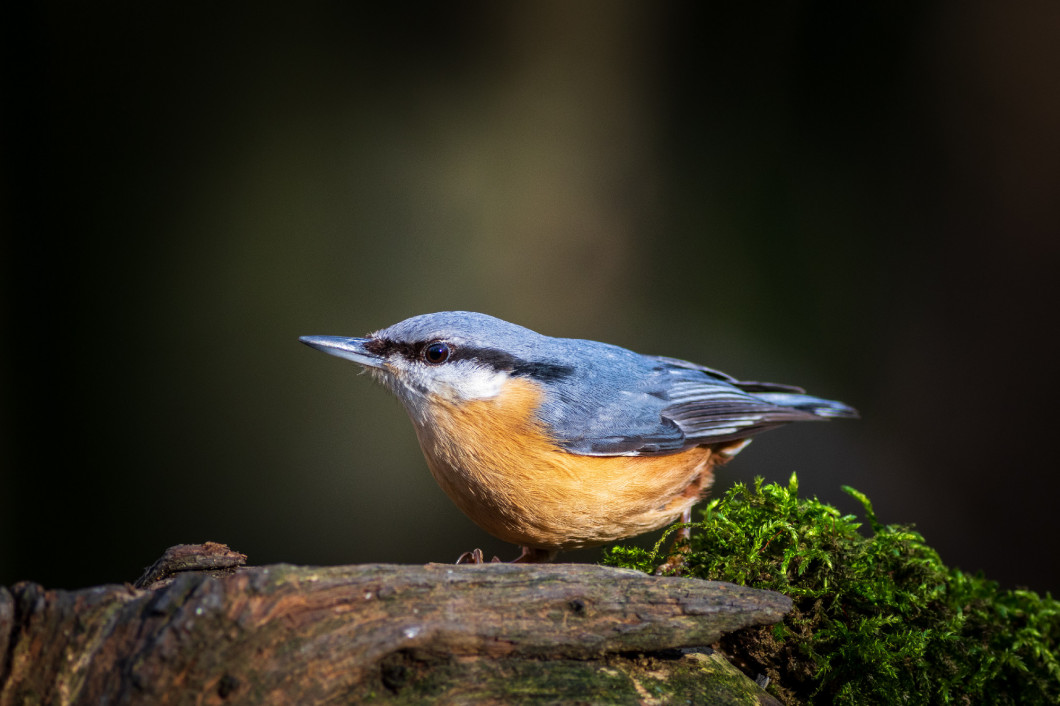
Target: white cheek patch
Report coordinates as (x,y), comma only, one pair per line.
(467,381)
(456,382)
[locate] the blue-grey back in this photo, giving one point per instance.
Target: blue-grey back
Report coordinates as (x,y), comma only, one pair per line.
(601,399)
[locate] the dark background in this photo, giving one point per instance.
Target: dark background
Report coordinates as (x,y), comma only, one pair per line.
(862,200)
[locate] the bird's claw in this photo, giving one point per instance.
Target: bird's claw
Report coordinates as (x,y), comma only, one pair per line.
(527,555)
(475,556)
(675,564)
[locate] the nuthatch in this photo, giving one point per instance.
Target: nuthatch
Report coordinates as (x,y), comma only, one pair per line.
(558,443)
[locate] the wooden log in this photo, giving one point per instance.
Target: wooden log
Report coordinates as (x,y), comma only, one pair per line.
(288,634)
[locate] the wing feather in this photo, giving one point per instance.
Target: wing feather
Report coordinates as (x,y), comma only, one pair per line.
(669,405)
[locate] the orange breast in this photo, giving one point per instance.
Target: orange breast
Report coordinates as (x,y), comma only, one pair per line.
(498,464)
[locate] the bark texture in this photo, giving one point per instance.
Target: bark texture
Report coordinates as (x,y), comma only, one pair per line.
(287,634)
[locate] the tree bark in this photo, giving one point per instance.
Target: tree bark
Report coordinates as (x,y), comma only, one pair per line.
(287,634)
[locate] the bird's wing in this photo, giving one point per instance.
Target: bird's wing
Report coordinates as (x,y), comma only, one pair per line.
(679,405)
(745,385)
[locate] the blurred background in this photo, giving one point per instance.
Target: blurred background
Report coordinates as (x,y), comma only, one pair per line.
(861,199)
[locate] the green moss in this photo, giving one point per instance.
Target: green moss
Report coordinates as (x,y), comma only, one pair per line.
(876,619)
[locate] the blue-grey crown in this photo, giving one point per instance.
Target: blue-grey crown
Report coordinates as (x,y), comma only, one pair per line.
(479,337)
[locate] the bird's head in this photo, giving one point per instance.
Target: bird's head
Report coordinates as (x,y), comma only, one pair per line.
(456,356)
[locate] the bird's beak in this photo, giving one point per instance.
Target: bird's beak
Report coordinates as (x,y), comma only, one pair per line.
(348,348)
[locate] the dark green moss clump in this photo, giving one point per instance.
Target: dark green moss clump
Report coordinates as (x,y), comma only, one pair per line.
(876,619)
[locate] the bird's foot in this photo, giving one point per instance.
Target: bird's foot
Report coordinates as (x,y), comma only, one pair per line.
(475,557)
(529,555)
(675,563)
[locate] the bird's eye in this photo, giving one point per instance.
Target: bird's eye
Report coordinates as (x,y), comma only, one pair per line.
(436,353)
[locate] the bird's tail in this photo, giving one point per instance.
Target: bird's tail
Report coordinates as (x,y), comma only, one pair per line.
(829,409)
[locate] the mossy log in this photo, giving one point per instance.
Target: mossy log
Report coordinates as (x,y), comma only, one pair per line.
(289,634)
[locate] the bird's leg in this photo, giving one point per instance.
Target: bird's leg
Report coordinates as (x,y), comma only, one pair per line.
(533,555)
(679,548)
(684,535)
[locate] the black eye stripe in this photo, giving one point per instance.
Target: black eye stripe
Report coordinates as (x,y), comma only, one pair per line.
(499,360)
(492,357)
(410,350)
(386,347)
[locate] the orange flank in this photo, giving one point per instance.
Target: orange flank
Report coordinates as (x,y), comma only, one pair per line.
(498,464)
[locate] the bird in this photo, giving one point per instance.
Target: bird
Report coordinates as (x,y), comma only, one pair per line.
(554,444)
